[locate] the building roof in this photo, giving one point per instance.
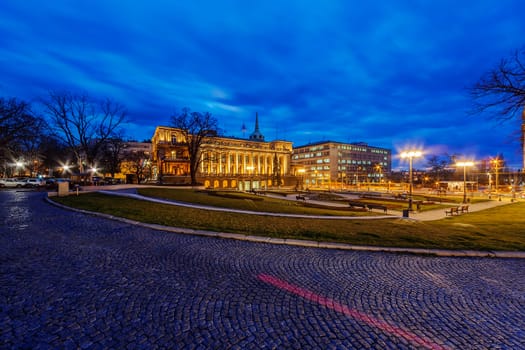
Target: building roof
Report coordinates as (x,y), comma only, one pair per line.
(341,143)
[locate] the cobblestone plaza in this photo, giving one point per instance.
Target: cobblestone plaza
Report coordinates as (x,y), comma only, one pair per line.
(70,280)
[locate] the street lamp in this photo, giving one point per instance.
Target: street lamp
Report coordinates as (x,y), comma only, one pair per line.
(464,165)
(496,166)
(19,165)
(410,155)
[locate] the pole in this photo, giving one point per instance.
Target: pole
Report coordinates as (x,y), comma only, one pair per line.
(497,180)
(464,184)
(410,183)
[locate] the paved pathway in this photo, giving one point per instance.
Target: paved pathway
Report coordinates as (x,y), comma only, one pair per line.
(428,215)
(75,281)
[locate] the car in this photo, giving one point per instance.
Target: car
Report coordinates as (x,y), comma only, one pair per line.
(111,181)
(98,181)
(34,182)
(13,182)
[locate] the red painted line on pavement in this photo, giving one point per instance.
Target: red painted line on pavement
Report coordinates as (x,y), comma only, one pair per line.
(360,316)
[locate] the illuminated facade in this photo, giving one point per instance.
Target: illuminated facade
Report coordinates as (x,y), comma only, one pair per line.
(330,164)
(225,162)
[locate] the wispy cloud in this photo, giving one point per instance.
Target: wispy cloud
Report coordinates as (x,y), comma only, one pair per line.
(387,73)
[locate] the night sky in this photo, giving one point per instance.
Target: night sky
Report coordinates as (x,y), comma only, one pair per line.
(394,74)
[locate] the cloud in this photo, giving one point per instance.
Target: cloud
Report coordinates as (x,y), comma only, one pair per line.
(388,74)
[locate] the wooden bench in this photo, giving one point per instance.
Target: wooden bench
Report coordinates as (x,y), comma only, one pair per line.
(463,209)
(377,206)
(357,205)
(452,211)
(300,197)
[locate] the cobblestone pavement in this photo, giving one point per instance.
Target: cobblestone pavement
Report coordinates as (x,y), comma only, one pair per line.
(74,281)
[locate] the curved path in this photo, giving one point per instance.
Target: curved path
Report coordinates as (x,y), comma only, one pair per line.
(71,280)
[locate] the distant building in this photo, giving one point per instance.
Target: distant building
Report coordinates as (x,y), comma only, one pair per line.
(330,164)
(225,162)
(136,162)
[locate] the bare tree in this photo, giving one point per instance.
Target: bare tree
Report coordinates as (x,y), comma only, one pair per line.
(502,90)
(16,120)
(20,131)
(195,128)
(439,166)
(84,123)
(139,164)
(113,154)
(32,147)
(56,154)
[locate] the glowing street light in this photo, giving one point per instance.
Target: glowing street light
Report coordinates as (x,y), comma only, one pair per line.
(496,167)
(410,155)
(19,165)
(464,165)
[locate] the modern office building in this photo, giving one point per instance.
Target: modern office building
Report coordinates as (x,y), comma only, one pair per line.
(225,162)
(332,165)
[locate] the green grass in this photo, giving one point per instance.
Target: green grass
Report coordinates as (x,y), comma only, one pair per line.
(247,201)
(501,228)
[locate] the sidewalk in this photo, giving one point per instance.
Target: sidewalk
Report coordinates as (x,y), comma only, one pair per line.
(429,215)
(437,214)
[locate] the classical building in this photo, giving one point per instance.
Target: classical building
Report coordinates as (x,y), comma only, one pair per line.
(332,165)
(225,162)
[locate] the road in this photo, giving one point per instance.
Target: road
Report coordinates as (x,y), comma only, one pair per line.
(70,280)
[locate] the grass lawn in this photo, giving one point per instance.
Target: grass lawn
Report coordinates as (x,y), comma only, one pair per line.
(501,228)
(248,201)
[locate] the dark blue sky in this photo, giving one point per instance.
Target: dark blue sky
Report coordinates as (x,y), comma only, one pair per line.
(394,74)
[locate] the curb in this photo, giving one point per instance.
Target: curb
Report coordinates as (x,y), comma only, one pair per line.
(304,243)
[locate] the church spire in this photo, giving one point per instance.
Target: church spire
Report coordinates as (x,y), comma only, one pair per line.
(256,135)
(256,122)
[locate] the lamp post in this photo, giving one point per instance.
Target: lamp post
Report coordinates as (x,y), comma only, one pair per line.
(379,168)
(464,165)
(496,167)
(410,155)
(19,165)
(65,170)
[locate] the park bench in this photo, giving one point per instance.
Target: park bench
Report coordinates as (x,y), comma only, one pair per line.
(463,209)
(357,205)
(452,211)
(300,197)
(377,206)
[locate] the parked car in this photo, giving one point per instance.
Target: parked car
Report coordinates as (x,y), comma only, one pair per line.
(34,182)
(111,181)
(98,181)
(13,182)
